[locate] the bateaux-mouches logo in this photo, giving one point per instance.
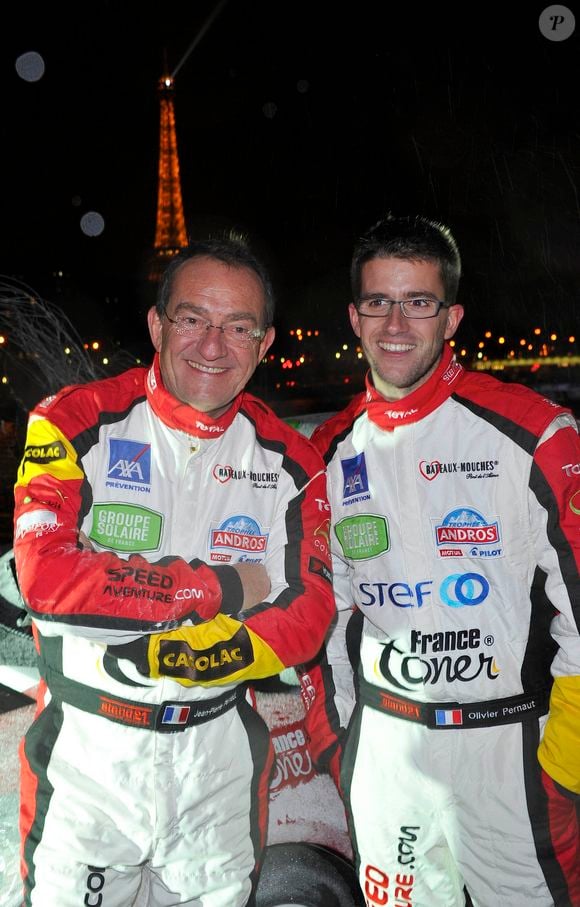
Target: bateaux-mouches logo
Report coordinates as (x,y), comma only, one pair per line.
(129,465)
(470,469)
(465,532)
(238,534)
(356,483)
(224,473)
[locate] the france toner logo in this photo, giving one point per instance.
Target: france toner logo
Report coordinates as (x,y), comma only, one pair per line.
(129,464)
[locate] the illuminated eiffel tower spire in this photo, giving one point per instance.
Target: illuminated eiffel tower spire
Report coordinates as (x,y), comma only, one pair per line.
(170,234)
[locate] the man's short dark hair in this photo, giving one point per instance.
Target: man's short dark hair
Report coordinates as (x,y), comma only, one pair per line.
(231,249)
(413,238)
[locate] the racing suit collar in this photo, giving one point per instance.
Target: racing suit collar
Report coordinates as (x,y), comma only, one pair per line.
(180,415)
(390,414)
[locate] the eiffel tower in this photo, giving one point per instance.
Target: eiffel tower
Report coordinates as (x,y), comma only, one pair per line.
(170,233)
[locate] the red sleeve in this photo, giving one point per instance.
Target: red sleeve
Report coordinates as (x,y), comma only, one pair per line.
(322,723)
(61,581)
(293,624)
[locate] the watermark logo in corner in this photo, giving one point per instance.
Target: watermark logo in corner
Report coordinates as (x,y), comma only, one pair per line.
(557,22)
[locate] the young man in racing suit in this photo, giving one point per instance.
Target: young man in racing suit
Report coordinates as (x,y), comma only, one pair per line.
(455,509)
(165,497)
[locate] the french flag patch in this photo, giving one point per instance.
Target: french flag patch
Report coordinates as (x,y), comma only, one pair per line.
(448,718)
(175,714)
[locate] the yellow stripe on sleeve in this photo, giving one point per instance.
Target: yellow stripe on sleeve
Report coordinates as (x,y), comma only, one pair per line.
(559,751)
(47,451)
(218,652)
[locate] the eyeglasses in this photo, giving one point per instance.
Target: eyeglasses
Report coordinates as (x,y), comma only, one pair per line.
(233,334)
(415,307)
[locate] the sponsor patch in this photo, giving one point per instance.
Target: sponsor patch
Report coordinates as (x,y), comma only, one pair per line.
(239,534)
(123,712)
(37,521)
(471,469)
(178,659)
(223,473)
(449,657)
(44,453)
(364,536)
(129,464)
(464,532)
(126,527)
(571,469)
(355,480)
(464,589)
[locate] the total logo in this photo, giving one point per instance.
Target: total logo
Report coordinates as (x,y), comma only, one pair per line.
(465,532)
(571,469)
(458,590)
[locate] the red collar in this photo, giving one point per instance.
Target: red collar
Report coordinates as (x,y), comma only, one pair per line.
(420,403)
(181,415)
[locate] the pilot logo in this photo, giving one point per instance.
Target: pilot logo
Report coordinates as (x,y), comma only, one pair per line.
(129,465)
(356,484)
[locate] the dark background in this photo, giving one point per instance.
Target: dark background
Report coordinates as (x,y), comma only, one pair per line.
(302,123)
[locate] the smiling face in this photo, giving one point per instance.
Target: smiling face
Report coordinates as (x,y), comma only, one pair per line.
(207,371)
(402,352)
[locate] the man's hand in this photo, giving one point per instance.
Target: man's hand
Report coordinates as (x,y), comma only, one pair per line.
(255,581)
(85,542)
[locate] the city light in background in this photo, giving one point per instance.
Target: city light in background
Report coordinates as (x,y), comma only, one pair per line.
(238,115)
(308,354)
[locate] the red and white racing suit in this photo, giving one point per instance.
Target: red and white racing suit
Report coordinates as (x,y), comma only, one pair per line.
(121,770)
(455,533)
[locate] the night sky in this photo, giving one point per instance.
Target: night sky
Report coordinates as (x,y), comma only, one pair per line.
(300,124)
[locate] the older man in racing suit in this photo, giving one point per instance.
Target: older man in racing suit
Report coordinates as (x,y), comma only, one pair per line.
(455,659)
(165,497)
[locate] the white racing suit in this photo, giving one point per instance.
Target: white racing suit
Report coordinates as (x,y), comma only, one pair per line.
(455,529)
(120,770)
